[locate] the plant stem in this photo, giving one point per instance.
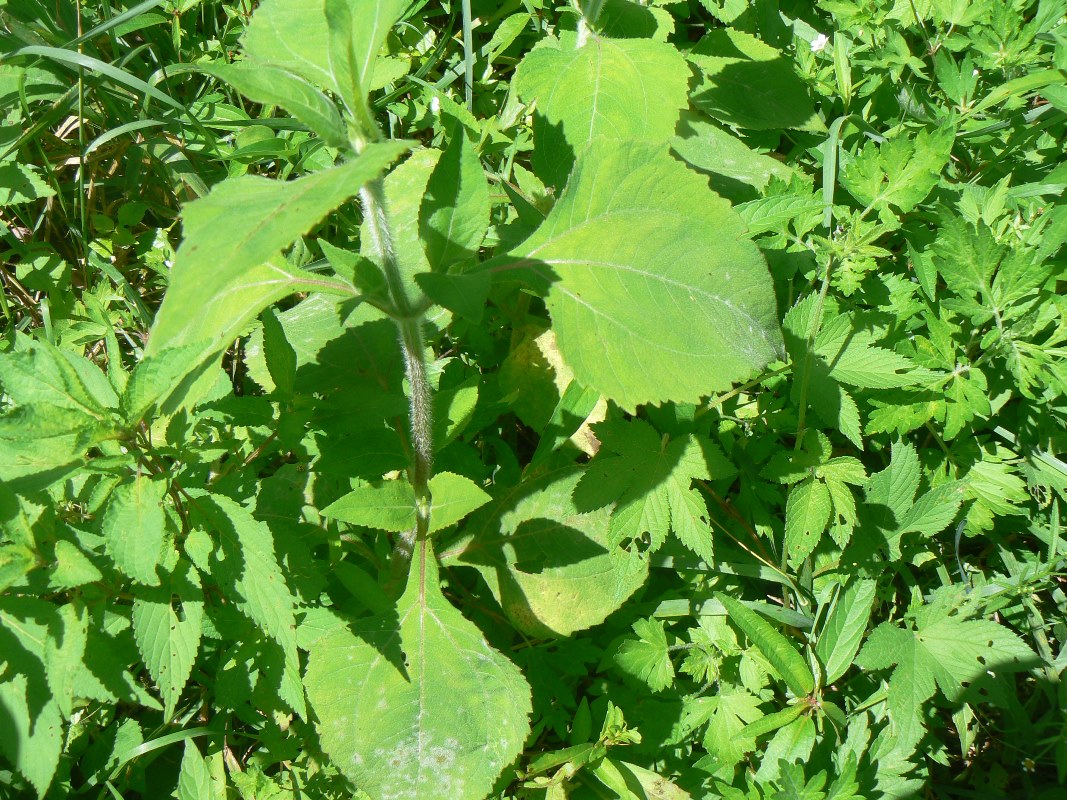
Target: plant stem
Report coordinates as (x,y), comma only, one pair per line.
(468,55)
(409,320)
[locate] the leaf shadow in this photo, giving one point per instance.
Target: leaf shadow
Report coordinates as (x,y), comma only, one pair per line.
(748,93)
(553,157)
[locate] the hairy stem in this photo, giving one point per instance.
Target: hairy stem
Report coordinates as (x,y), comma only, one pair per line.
(409,323)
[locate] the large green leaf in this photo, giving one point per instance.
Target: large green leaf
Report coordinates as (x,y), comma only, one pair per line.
(654,292)
(614,88)
(416,705)
(228,268)
(549,565)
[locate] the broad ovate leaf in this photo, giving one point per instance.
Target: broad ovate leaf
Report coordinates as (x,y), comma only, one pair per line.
(614,88)
(654,292)
(551,567)
(228,268)
(416,705)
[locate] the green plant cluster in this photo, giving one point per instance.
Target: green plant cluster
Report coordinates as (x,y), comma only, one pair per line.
(412,400)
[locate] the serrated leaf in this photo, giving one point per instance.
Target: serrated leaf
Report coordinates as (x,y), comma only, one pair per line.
(646,658)
(900,172)
(40,374)
(942,651)
(387,700)
(194,779)
(292,35)
(33,734)
(807,513)
(654,293)
(454,497)
(710,149)
(134,527)
(464,294)
(650,479)
(228,268)
(167,624)
(778,650)
(840,638)
(72,568)
(618,89)
(63,655)
(548,564)
(20,183)
(388,507)
(249,571)
(454,214)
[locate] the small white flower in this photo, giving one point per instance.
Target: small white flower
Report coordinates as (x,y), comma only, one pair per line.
(435,104)
(818,44)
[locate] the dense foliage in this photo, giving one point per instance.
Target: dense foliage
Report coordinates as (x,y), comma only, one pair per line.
(608,399)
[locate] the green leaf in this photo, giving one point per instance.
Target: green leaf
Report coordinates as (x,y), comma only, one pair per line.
(942,651)
(707,147)
(900,172)
(292,35)
(464,294)
(167,624)
(748,83)
(275,86)
(807,513)
(454,497)
(33,736)
(134,527)
(39,374)
(454,214)
(417,705)
(227,270)
(254,582)
(72,568)
(549,564)
(357,31)
(388,507)
(20,183)
(650,482)
(63,655)
(279,355)
(646,658)
(616,89)
(654,293)
(778,650)
(194,780)
(840,638)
